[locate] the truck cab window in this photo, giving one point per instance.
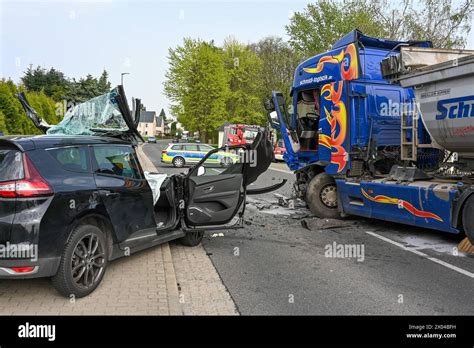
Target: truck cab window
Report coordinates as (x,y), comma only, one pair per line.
(308,114)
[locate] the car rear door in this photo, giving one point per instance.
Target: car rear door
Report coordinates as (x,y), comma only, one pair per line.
(123,189)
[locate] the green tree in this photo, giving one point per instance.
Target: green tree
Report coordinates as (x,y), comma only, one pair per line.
(446,23)
(173,129)
(196,84)
(16,121)
(3,124)
(244,69)
(52,81)
(163,114)
(279,62)
(314,30)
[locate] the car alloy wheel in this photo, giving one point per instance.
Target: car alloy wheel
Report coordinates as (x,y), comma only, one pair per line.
(178,162)
(87,263)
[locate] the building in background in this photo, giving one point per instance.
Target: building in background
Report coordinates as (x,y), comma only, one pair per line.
(147,124)
(162,128)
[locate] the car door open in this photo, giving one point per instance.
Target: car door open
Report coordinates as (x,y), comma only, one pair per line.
(215,189)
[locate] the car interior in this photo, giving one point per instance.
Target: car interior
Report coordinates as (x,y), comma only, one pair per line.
(307,117)
(165,207)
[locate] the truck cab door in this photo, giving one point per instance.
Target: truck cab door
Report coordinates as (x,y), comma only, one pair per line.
(281,120)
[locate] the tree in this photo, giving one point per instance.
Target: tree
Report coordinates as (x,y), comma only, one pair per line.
(16,121)
(173,129)
(244,69)
(3,125)
(279,62)
(445,22)
(52,81)
(163,114)
(314,30)
(196,84)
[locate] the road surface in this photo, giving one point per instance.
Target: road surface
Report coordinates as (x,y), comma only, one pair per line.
(280,263)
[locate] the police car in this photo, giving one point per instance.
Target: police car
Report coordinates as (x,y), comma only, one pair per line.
(189,153)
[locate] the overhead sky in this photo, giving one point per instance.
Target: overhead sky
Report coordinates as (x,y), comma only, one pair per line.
(85,37)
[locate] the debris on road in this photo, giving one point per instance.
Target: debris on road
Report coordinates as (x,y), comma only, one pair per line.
(317,224)
(214,235)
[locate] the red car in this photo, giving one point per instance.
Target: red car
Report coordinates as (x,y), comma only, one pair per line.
(279,150)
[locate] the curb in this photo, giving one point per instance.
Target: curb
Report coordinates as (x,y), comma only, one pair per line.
(174,306)
(171,282)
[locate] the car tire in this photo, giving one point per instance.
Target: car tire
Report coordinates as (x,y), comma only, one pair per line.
(321,196)
(192,239)
(178,162)
(467,218)
(83,238)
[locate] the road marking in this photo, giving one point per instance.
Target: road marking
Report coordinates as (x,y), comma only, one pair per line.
(417,252)
(281,170)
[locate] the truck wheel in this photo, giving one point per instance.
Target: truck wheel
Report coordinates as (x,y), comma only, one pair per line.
(321,196)
(192,239)
(468,219)
(83,262)
(178,162)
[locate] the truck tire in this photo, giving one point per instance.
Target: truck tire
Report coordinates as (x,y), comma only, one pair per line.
(468,218)
(192,239)
(86,252)
(321,196)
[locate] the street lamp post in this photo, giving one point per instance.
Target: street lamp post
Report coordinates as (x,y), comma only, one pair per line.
(121,77)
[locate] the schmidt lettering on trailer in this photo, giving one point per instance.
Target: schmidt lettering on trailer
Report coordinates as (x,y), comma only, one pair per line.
(456,108)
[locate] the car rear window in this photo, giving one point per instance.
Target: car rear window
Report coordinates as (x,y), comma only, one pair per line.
(11,165)
(116,160)
(73,159)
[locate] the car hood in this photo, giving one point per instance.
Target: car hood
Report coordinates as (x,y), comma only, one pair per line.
(105,115)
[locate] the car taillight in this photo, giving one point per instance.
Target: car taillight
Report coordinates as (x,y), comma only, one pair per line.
(32,185)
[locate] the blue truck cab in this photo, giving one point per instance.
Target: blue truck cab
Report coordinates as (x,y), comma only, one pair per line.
(342,135)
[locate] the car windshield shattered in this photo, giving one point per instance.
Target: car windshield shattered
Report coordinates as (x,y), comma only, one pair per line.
(97,115)
(106,115)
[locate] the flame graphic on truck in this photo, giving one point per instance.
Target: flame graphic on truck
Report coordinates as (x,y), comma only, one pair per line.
(348,60)
(402,204)
(337,119)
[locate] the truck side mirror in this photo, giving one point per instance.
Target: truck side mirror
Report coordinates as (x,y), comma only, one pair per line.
(273,119)
(268,104)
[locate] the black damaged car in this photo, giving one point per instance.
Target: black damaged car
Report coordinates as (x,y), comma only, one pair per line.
(79,196)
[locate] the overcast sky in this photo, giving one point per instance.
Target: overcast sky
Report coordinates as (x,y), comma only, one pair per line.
(82,37)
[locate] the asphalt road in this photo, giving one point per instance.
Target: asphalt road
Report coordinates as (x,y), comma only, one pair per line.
(279,263)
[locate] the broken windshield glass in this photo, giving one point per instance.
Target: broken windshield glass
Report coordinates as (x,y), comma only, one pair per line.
(97,115)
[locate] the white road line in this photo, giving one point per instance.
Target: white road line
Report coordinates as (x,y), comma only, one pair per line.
(281,170)
(434,259)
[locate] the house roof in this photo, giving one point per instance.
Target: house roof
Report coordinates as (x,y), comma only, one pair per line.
(147,116)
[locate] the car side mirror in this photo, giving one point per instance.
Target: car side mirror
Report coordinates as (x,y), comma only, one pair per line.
(201,171)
